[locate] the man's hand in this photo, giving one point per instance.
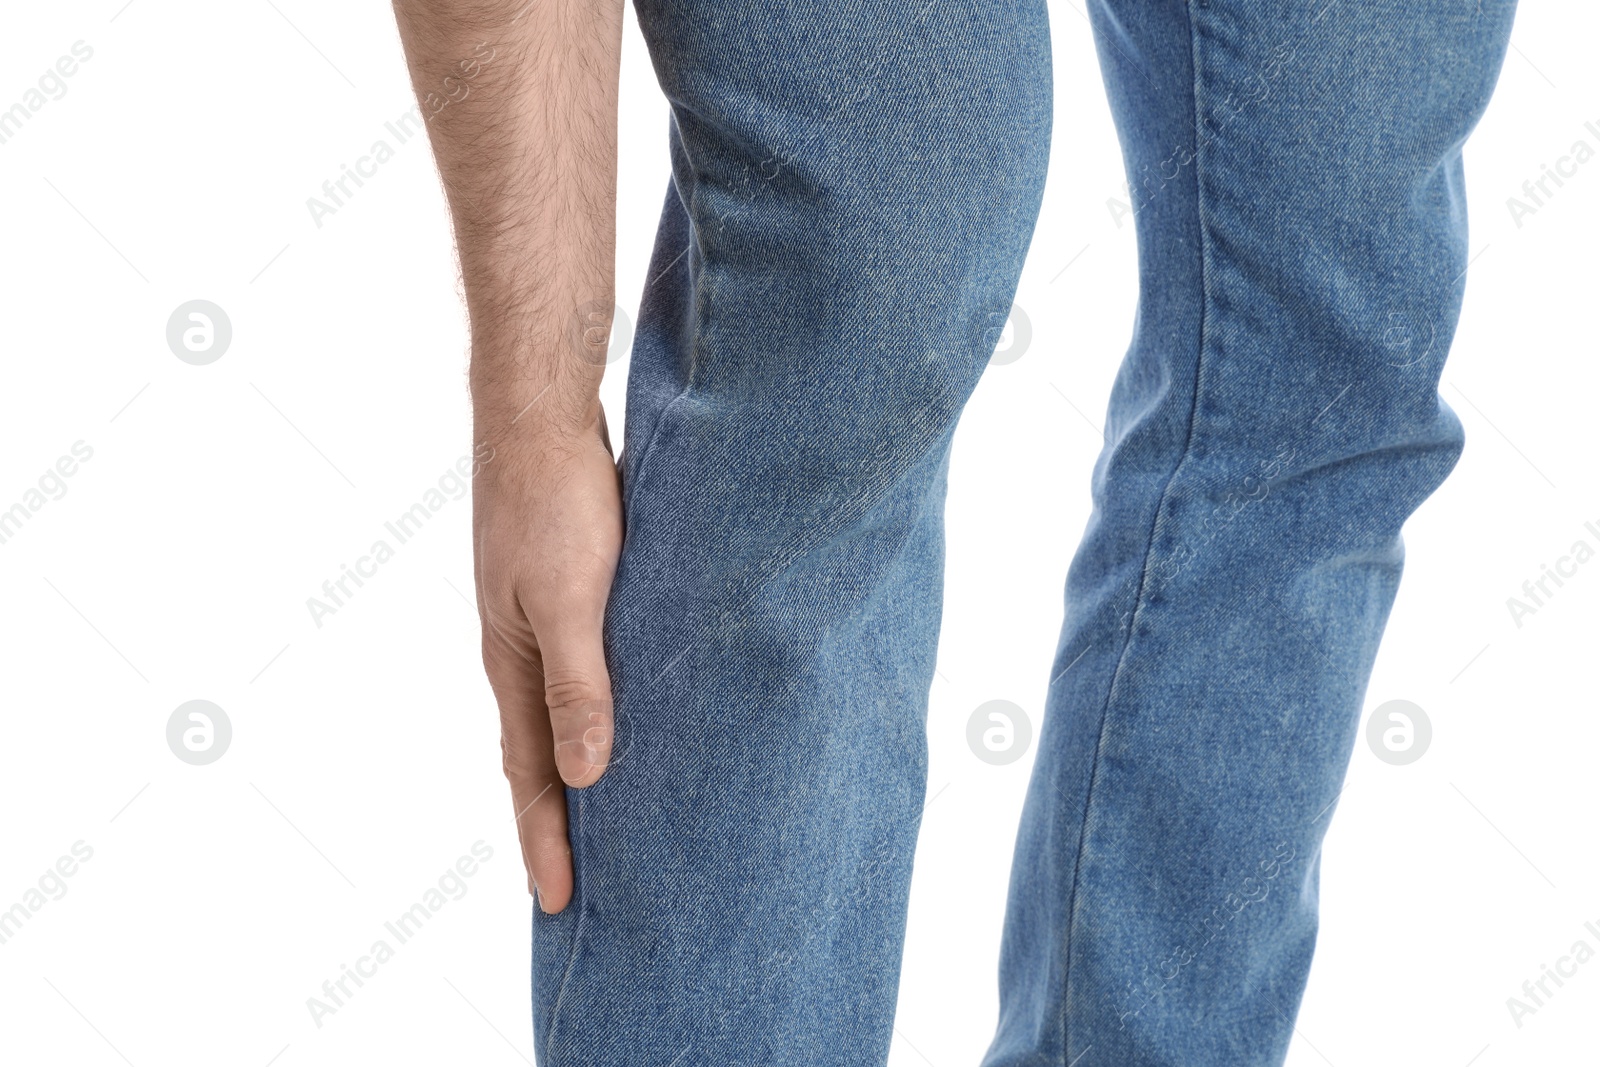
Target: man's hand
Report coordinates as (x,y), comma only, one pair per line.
(521,104)
(547,526)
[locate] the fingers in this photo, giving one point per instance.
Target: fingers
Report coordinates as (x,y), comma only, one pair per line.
(538,801)
(577,694)
(542,829)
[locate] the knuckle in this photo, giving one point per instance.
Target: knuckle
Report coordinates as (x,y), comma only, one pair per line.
(501,616)
(506,651)
(568,688)
(515,761)
(495,655)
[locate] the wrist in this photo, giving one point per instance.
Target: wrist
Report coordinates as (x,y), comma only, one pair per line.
(534,393)
(536,411)
(520,415)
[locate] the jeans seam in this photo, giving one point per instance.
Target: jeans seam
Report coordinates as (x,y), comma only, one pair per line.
(702,316)
(1143,583)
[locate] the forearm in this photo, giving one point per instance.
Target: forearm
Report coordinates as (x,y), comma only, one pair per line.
(521,102)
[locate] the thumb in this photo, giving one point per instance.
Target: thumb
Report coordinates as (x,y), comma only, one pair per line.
(577,691)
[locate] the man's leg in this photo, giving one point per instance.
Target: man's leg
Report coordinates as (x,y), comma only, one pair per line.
(1297,174)
(855,186)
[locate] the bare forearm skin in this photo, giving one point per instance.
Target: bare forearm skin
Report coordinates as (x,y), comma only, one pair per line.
(527,150)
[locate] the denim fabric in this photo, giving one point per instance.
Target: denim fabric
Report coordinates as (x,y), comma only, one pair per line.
(1296,168)
(854,189)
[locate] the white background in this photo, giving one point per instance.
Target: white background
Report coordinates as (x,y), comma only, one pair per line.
(364,759)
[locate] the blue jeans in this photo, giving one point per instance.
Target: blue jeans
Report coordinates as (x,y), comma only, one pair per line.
(854,190)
